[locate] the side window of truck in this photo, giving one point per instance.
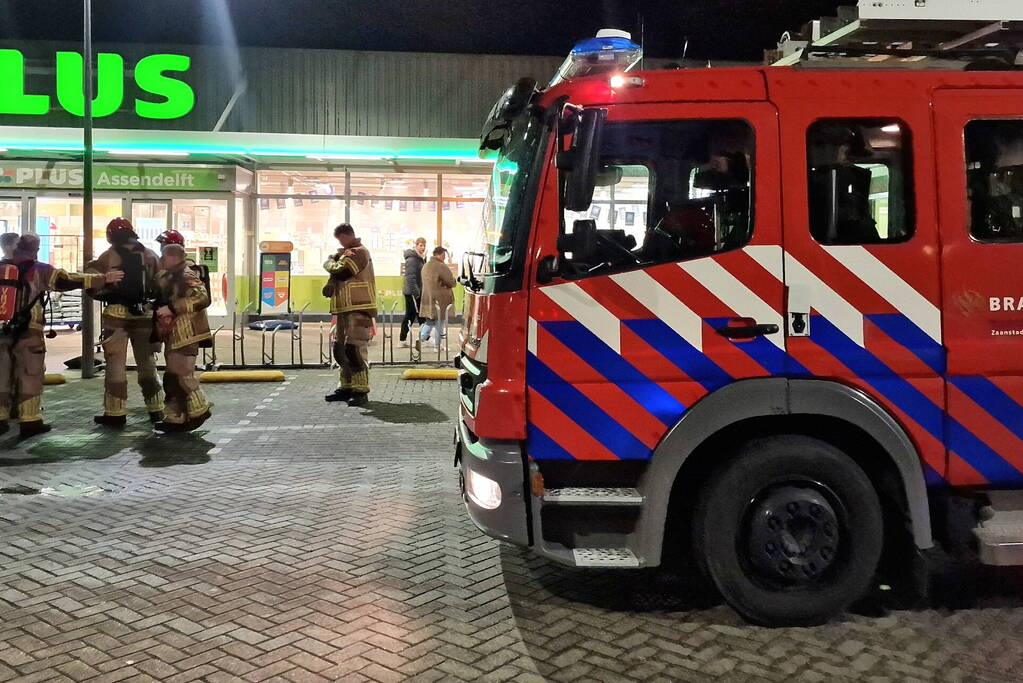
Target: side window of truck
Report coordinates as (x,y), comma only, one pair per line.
(994,180)
(860,185)
(667,191)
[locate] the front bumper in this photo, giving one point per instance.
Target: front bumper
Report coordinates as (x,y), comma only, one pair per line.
(501,462)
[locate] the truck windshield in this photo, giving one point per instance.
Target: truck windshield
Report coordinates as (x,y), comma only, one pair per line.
(508,208)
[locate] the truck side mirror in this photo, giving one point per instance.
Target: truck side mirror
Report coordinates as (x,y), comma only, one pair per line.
(546,269)
(579,164)
(581,243)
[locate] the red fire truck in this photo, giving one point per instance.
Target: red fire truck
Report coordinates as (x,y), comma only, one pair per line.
(768,318)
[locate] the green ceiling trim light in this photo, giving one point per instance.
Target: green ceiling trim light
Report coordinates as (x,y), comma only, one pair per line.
(259,146)
(174,97)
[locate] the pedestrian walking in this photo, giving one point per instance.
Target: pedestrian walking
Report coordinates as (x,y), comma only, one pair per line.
(438,294)
(413,289)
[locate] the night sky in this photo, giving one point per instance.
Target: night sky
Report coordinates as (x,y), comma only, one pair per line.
(716,29)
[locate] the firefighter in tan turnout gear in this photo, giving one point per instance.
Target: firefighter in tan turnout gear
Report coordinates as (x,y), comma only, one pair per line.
(127,318)
(352,292)
(22,346)
(183,327)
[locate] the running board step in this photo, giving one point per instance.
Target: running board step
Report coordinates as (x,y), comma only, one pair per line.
(604,557)
(1000,531)
(592,496)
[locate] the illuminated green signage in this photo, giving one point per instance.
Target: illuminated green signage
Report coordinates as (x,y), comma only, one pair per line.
(43,175)
(175,98)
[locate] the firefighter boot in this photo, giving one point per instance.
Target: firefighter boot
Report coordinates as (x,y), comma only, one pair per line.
(111,420)
(4,427)
(194,423)
(156,416)
(34,428)
(358,399)
(339,395)
(169,427)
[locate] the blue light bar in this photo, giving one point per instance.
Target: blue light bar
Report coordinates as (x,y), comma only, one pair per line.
(611,51)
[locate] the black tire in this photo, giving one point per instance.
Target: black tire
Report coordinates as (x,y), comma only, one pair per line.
(790,531)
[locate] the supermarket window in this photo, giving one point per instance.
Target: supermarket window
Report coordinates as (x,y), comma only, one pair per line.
(10,215)
(994,180)
(390,226)
(405,184)
(307,222)
(462,212)
(302,182)
(465,186)
(860,185)
(666,191)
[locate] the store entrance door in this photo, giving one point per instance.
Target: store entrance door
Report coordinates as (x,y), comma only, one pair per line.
(204,221)
(10,214)
(150,217)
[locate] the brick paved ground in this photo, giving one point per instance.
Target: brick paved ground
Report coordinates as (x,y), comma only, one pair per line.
(295,540)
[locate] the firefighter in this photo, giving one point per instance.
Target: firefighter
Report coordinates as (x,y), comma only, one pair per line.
(128,317)
(352,292)
(170,237)
(22,347)
(183,327)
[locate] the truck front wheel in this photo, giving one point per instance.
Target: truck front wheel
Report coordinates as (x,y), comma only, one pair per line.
(790,531)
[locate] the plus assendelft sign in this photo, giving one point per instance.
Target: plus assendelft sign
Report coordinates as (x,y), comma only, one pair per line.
(173,98)
(35,175)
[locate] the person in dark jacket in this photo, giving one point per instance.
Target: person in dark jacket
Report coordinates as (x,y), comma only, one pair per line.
(413,290)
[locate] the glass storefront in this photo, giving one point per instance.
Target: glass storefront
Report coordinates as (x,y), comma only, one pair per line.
(306,222)
(389,210)
(390,226)
(58,222)
(10,215)
(389,207)
(203,223)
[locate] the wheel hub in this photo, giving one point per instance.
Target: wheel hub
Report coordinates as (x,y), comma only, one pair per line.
(792,534)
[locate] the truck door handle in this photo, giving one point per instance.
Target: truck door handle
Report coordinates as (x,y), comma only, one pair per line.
(747,331)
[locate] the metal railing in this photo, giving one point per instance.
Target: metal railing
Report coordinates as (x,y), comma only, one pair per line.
(209,354)
(238,335)
(293,356)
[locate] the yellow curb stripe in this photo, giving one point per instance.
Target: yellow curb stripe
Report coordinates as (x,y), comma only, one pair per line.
(241,376)
(433,373)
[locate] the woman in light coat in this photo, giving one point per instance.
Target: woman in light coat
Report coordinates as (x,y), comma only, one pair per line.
(438,294)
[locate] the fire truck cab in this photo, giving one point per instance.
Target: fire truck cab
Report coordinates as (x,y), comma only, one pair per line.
(767,318)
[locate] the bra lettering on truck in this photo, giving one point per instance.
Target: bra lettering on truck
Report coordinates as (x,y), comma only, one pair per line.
(1005,303)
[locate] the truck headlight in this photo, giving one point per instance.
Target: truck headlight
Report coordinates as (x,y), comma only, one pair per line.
(483,491)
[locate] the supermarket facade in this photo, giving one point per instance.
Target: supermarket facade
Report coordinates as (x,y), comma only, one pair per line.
(252,150)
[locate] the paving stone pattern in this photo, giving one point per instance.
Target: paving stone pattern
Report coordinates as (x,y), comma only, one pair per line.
(294,540)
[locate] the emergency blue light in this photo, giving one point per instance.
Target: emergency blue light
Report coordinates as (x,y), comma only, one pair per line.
(611,51)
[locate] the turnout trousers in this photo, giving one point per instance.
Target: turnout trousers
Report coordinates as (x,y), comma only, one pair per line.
(185,398)
(351,343)
(117,334)
(22,366)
